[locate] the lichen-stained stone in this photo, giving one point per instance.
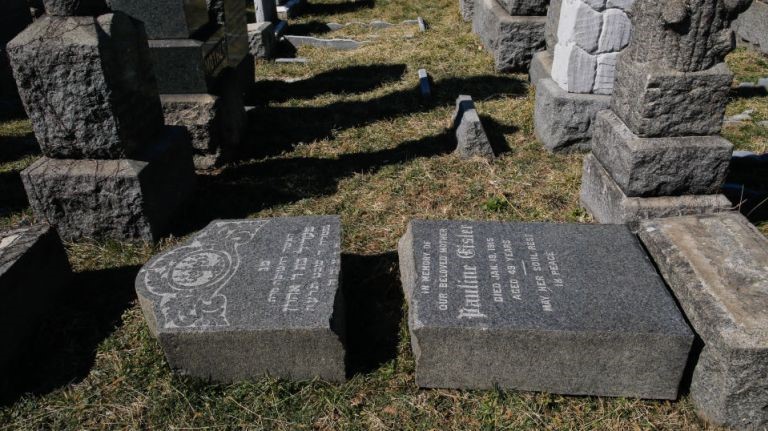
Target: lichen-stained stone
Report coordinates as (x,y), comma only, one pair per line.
(76,7)
(656,101)
(126,199)
(525,7)
(579,24)
(244,299)
(87,85)
(512,40)
(671,166)
(571,309)
(615,32)
(606,203)
(717,267)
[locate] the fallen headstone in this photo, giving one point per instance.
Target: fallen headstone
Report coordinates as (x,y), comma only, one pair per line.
(471,139)
(248,298)
(569,309)
(717,267)
(300,60)
(340,44)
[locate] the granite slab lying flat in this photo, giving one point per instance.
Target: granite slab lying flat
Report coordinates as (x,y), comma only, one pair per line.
(248,298)
(717,267)
(569,309)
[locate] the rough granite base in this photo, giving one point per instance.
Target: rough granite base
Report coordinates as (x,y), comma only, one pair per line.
(604,200)
(564,121)
(114,199)
(512,40)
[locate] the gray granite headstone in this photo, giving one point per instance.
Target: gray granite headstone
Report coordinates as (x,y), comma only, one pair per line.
(167,19)
(571,309)
(248,298)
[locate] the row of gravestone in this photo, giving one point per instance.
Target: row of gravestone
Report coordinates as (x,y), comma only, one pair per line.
(562,308)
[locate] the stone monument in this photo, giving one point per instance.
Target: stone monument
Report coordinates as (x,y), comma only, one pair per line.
(717,267)
(26,291)
(248,298)
(511,30)
(657,152)
(574,78)
(262,35)
(752,26)
(14,17)
(111,169)
(569,309)
(197,54)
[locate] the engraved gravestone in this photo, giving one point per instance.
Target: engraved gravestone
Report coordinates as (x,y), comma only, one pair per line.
(248,298)
(570,309)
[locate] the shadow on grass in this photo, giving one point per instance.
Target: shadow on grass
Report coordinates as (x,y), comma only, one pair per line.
(274,130)
(309,28)
(496,134)
(312,9)
(354,79)
(13,149)
(374,307)
(13,198)
(64,348)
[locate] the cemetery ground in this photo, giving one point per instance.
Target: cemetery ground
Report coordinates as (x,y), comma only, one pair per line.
(346,133)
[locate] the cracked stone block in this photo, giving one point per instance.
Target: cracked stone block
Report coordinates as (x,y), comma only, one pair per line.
(512,40)
(125,199)
(88,86)
(604,200)
(472,141)
(574,69)
(656,101)
(170,19)
(525,7)
(564,121)
(671,166)
(33,273)
(579,24)
(615,33)
(562,308)
(716,267)
(76,7)
(262,41)
(245,299)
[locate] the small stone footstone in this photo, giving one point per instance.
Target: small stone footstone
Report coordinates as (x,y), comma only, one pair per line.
(717,267)
(565,121)
(425,86)
(471,139)
(262,40)
(248,298)
(569,309)
(33,271)
(124,199)
(422,24)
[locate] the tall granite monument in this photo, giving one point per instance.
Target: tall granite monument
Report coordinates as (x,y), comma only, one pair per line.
(657,152)
(198,51)
(574,77)
(569,309)
(111,169)
(248,298)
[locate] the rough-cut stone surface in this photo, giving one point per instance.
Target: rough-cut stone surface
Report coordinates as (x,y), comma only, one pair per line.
(33,271)
(605,74)
(467,9)
(261,39)
(752,25)
(166,19)
(574,69)
(717,267)
(605,201)
(541,67)
(525,7)
(471,138)
(571,309)
(247,298)
(76,7)
(553,21)
(119,199)
(615,33)
(564,121)
(266,10)
(659,166)
(683,35)
(187,65)
(512,40)
(87,85)
(656,101)
(579,24)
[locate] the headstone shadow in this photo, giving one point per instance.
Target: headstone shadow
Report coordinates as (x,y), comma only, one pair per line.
(64,348)
(374,307)
(13,198)
(496,134)
(13,149)
(312,9)
(309,28)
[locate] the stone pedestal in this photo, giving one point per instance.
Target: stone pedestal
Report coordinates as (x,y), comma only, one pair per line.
(123,199)
(568,309)
(511,39)
(33,272)
(244,299)
(716,267)
(471,139)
